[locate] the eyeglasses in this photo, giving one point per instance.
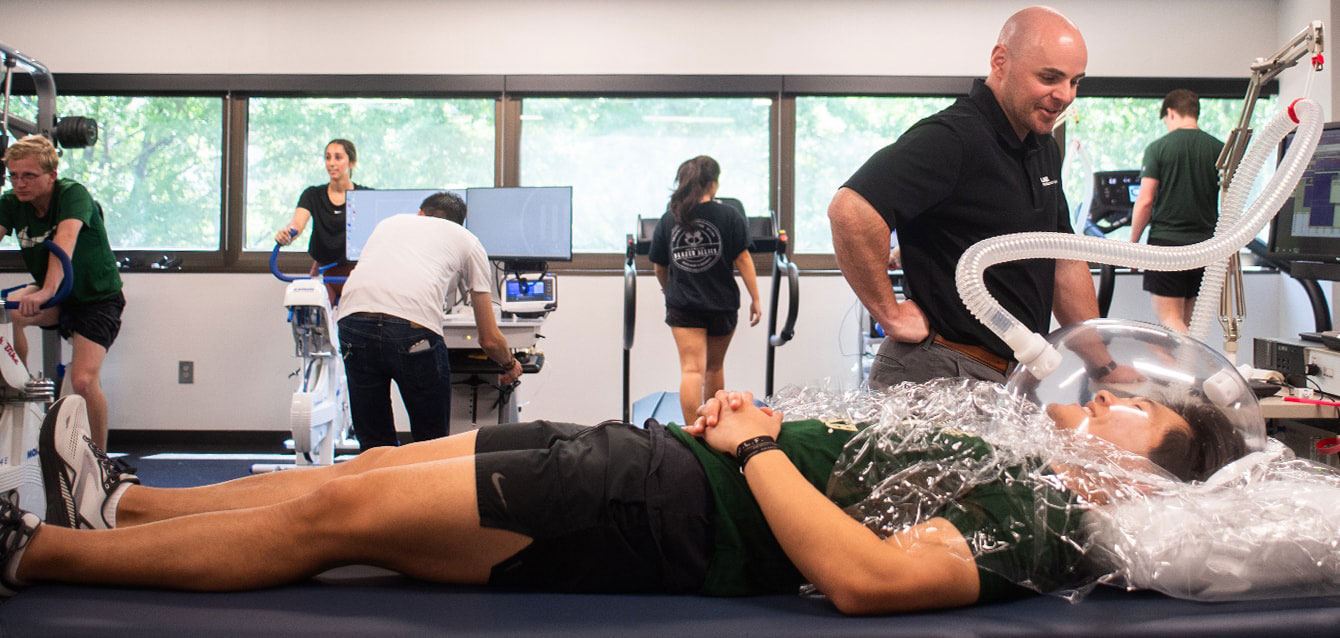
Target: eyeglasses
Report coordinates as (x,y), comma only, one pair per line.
(24,177)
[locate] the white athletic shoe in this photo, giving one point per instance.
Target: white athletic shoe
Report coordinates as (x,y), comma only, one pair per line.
(78,476)
(16,529)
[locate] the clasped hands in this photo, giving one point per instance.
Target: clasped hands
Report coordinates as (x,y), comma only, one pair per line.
(730,418)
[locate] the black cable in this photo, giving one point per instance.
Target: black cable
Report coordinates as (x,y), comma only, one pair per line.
(1318,390)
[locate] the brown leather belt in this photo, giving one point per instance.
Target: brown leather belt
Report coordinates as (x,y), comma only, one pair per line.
(977,353)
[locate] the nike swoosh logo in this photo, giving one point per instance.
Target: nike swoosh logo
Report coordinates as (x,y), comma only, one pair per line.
(497,485)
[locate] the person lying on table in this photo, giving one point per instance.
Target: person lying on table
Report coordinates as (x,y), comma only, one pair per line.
(738,511)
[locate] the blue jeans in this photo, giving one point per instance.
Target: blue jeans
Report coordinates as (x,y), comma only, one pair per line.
(380,348)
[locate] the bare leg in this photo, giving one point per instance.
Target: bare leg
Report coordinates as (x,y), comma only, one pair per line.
(48,317)
(715,378)
(430,532)
(692,345)
(1169,311)
(85,368)
(140,504)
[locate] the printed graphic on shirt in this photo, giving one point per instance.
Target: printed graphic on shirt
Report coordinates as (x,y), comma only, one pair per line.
(26,241)
(696,248)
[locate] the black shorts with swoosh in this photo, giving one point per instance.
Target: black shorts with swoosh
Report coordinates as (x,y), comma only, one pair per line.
(610,508)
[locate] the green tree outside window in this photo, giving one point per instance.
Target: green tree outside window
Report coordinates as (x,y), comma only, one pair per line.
(419,143)
(620,156)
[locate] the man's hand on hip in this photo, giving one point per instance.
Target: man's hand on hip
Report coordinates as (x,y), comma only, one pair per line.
(910,326)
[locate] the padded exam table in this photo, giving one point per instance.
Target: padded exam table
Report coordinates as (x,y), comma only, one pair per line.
(381,605)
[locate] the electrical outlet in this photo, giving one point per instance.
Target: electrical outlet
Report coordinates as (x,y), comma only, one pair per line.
(185,372)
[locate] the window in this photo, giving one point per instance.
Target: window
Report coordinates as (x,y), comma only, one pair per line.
(156,168)
(402,143)
(620,156)
(834,136)
(1108,134)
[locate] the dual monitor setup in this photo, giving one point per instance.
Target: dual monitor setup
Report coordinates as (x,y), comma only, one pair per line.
(524,228)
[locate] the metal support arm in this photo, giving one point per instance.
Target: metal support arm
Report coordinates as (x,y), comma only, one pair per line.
(46,95)
(1308,42)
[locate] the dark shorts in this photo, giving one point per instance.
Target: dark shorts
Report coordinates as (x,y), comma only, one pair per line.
(97,321)
(1177,283)
(611,508)
(717,324)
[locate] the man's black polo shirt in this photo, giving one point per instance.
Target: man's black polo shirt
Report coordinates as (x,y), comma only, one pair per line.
(953,179)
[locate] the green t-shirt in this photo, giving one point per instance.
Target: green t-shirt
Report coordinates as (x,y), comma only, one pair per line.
(1186,205)
(746,558)
(998,519)
(95,274)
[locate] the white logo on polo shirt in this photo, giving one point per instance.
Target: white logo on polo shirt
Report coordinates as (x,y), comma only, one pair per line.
(1048,181)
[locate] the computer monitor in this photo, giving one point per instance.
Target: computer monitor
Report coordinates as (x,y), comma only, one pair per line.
(528,223)
(1306,231)
(531,223)
(364,208)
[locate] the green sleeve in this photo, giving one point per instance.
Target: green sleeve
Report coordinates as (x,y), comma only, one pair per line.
(75,203)
(1150,167)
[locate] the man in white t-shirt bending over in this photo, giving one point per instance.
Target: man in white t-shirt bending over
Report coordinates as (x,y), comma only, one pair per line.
(391,316)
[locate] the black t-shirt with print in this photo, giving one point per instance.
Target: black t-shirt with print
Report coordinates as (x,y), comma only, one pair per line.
(701,258)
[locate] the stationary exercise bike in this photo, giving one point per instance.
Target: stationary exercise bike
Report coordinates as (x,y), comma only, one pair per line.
(319,411)
(24,401)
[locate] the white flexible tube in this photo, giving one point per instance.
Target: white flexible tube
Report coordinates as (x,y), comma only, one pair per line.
(1231,234)
(1231,209)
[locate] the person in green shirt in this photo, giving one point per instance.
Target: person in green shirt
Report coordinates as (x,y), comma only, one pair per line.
(44,206)
(1178,201)
(734,504)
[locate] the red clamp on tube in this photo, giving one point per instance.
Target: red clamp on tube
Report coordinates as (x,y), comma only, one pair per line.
(1318,61)
(1292,114)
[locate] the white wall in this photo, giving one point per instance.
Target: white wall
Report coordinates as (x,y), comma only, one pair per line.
(232,325)
(881,37)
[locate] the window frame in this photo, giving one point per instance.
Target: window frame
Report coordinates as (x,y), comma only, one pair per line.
(520,87)
(958,86)
(508,92)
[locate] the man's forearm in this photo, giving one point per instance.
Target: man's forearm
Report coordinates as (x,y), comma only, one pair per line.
(861,246)
(491,339)
(55,274)
(67,233)
(499,353)
(1074,297)
(1139,219)
(1144,207)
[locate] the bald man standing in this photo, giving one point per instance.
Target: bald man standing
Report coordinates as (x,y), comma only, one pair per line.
(985,166)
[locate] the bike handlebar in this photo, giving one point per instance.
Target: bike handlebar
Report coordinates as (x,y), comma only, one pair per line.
(66,282)
(274,266)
